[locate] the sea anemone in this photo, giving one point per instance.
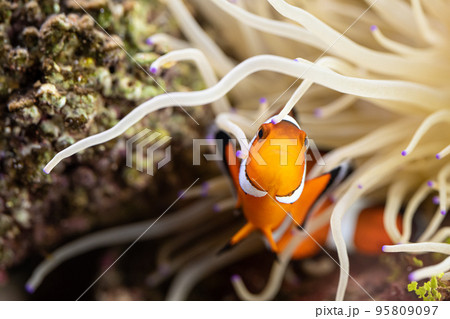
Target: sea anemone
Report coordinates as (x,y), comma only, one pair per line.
(374,88)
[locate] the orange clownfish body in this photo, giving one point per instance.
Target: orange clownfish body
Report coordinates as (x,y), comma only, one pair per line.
(272,191)
(364,233)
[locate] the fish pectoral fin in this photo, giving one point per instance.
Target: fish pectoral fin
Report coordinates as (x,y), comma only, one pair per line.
(246,230)
(242,233)
(273,245)
(316,188)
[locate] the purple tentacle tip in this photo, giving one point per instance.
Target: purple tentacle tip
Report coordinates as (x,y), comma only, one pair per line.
(45,171)
(164,269)
(436,200)
(153,70)
(216,208)
(443,212)
(262,100)
(205,189)
(382,248)
(296,60)
(430,183)
(438,156)
(149,41)
(235,278)
(404,153)
(360,186)
(318,112)
(373,28)
(29,289)
(411,277)
(238,153)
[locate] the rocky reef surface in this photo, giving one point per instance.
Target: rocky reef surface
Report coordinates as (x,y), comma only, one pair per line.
(63,78)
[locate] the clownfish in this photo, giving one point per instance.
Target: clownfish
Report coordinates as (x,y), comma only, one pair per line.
(275,197)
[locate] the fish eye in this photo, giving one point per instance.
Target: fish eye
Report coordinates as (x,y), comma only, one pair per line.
(261,132)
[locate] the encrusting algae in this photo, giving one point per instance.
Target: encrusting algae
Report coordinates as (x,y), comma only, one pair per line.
(369,80)
(61,79)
